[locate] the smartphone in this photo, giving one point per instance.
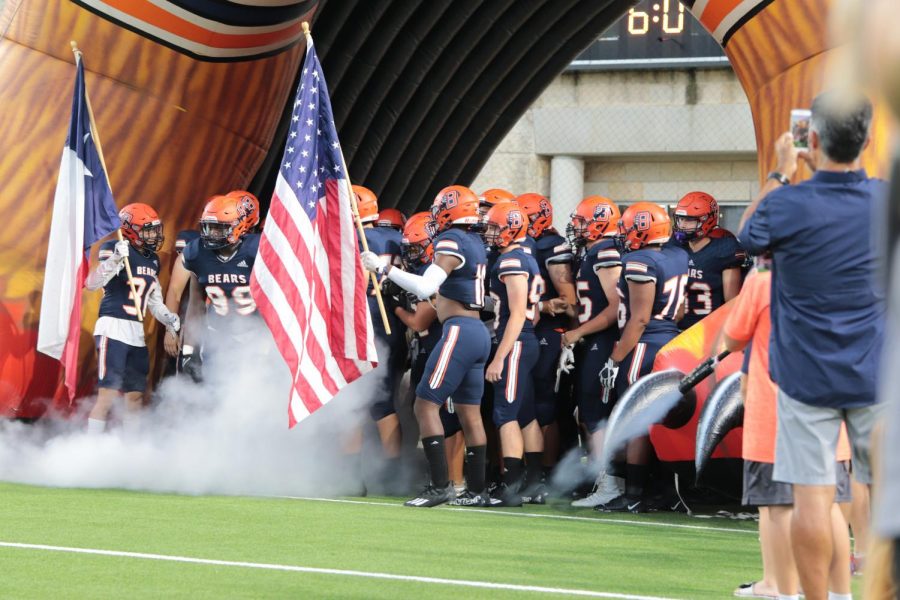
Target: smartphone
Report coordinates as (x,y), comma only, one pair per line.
(800,127)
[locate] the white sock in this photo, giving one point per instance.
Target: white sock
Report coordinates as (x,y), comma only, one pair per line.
(833,596)
(788,596)
(96,426)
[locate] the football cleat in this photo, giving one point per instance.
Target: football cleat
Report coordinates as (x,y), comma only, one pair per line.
(470,498)
(535,494)
(606,488)
(504,495)
(432,496)
(624,503)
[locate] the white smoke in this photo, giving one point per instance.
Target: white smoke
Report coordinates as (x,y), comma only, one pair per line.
(228,436)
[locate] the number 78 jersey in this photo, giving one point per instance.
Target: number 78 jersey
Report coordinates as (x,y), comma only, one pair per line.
(225,284)
(667,271)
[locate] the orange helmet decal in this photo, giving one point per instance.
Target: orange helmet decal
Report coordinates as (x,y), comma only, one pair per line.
(539,212)
(595,217)
(644,223)
(506,223)
(455,205)
(391,217)
(141,226)
(700,209)
(366,203)
(415,245)
(247,203)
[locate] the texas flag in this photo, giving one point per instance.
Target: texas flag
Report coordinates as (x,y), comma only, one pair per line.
(83,213)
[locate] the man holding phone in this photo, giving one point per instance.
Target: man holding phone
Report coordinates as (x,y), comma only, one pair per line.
(827,317)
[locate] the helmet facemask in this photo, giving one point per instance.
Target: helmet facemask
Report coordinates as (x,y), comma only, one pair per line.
(683,230)
(151,236)
(215,235)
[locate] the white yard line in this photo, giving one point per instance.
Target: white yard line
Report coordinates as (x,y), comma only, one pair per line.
(538,515)
(340,572)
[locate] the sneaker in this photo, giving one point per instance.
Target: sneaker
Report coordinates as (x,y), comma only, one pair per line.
(535,494)
(623,504)
(469,498)
(606,489)
(506,496)
(432,496)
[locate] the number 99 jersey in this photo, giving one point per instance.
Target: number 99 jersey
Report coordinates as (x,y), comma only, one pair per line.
(667,270)
(226,284)
(466,283)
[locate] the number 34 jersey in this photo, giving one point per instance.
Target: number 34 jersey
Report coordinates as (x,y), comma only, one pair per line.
(118,317)
(226,284)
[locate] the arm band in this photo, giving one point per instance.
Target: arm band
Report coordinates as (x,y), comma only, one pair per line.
(423,286)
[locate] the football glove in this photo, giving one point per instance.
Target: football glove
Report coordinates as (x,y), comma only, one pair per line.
(608,374)
(192,365)
(566,362)
(372,262)
(120,252)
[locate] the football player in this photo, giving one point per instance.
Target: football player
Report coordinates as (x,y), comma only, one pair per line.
(391,217)
(385,242)
(122,359)
(555,261)
(651,290)
(217,267)
(456,365)
(489,198)
(716,257)
(594,228)
(516,287)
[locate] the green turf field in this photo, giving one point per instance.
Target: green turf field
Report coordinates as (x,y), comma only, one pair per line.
(575,551)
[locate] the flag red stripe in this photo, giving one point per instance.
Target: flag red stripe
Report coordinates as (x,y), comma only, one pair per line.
(69,356)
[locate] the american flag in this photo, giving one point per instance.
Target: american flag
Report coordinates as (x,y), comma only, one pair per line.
(307,279)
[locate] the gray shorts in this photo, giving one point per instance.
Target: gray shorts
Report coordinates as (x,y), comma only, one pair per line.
(761,490)
(806,442)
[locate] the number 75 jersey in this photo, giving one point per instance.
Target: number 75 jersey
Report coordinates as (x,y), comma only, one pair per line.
(667,271)
(226,284)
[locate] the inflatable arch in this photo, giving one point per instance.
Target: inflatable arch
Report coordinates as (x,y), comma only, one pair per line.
(190,99)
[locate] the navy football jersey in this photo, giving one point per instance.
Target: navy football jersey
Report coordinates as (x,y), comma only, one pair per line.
(385,242)
(185,237)
(466,283)
(515,262)
(552,248)
(667,270)
(705,292)
(529,245)
(118,302)
(591,298)
(225,283)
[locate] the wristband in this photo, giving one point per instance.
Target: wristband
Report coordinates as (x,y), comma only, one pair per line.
(779,177)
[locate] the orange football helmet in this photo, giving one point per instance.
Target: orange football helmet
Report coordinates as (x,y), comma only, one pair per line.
(415,245)
(506,223)
(250,203)
(696,215)
(225,221)
(539,212)
(455,205)
(391,217)
(642,224)
(489,198)
(367,203)
(141,226)
(594,217)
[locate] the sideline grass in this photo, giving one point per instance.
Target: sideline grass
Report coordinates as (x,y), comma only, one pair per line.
(455,544)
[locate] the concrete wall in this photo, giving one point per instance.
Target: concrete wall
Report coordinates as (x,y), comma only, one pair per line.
(641,135)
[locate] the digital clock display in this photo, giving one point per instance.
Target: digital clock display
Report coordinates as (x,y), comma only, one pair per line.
(655,34)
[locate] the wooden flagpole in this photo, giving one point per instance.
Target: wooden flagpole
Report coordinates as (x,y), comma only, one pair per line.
(96,136)
(355,209)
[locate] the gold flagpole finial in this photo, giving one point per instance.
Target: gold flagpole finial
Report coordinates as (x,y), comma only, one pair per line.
(305,26)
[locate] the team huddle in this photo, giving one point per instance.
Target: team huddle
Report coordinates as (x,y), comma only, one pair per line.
(519,305)
(489,307)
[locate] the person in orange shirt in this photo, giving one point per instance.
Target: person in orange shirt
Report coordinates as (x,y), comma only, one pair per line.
(749,322)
